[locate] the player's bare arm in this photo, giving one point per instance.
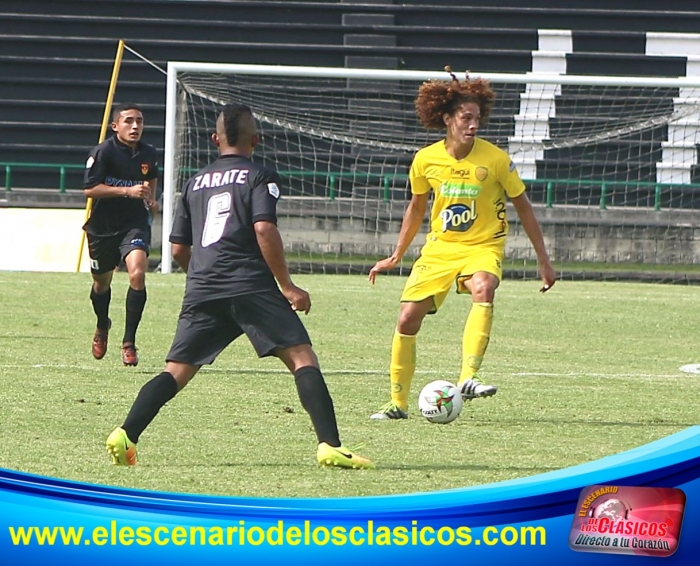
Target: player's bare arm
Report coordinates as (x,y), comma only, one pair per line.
(151,201)
(182,255)
(412,220)
(270,243)
(142,191)
(532,228)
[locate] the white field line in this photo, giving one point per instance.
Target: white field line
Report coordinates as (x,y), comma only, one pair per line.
(233,370)
(327,371)
(590,374)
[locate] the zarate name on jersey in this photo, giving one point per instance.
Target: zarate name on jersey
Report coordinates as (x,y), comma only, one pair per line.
(220,178)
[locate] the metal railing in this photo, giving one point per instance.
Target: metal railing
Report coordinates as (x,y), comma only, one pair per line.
(607,188)
(386,182)
(61,168)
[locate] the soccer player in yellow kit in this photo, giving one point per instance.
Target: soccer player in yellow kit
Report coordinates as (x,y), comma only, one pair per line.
(470,179)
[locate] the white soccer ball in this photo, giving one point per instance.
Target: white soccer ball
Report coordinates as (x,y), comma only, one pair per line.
(440,402)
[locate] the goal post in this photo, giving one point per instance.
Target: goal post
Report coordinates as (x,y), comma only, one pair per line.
(610,162)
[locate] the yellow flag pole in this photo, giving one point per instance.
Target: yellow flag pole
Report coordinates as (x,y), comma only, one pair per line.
(106,119)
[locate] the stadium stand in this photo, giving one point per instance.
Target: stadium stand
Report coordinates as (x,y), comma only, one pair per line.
(56,57)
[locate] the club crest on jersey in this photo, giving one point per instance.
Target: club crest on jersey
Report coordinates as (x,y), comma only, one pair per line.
(144,168)
(273,190)
(481,173)
(458,217)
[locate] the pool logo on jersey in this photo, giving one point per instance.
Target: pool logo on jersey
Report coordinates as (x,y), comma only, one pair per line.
(458,217)
(144,168)
(481,173)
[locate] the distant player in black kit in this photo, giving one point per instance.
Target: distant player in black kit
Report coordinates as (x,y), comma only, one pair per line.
(225,237)
(121,176)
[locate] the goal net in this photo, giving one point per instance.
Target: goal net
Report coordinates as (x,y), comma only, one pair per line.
(610,162)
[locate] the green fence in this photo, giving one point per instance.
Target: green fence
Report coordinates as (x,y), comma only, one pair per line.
(386,182)
(60,168)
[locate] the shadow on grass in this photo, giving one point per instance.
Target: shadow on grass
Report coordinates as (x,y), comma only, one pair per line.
(464,467)
(442,467)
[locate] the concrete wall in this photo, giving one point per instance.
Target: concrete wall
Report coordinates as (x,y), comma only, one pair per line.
(371,227)
(571,233)
(50,239)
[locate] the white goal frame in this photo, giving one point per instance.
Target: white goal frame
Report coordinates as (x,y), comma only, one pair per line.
(176,67)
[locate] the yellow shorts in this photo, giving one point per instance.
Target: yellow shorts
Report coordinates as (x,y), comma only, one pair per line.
(442,264)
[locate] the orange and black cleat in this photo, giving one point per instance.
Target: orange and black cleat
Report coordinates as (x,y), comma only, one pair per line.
(130,356)
(99,342)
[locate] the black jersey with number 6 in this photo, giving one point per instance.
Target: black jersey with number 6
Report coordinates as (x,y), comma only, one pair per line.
(216,213)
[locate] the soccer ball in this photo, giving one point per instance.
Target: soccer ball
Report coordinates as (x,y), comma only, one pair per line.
(440,402)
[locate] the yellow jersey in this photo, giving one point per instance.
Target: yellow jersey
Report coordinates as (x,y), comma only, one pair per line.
(469,203)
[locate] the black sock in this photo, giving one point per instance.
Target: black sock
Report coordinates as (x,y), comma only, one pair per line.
(135,303)
(316,400)
(149,401)
(100,304)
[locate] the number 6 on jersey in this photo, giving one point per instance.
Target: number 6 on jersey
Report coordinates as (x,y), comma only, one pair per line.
(218,210)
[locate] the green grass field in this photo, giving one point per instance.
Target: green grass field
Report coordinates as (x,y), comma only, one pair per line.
(585,371)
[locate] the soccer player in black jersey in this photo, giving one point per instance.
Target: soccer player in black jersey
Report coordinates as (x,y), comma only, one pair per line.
(121,176)
(225,237)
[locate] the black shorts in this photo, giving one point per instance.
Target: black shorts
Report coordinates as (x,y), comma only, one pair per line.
(205,329)
(106,252)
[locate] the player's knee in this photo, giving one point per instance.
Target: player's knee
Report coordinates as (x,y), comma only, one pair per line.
(101,284)
(484,289)
(182,373)
(299,356)
(409,323)
(137,278)
(485,295)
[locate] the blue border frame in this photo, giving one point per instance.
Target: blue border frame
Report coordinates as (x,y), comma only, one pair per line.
(547,500)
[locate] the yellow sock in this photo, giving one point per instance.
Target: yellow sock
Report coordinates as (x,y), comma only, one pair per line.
(477,331)
(402,368)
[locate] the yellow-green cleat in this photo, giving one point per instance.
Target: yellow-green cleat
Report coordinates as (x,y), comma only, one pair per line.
(341,457)
(121,449)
